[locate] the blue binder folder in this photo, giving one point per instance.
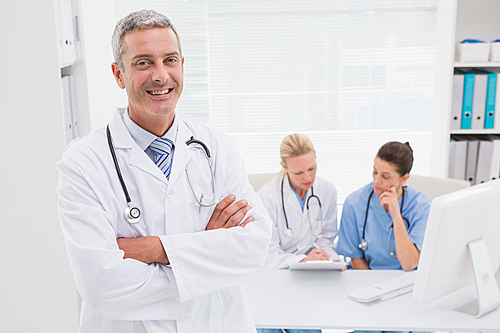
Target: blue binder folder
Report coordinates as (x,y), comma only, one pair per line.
(468,100)
(489,117)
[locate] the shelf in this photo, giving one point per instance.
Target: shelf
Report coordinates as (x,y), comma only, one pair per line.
(476,64)
(475,131)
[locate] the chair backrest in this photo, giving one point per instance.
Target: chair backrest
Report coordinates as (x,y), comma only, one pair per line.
(433,186)
(257,180)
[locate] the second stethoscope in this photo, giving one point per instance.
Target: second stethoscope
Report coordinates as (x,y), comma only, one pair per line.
(132,213)
(288,232)
(363,245)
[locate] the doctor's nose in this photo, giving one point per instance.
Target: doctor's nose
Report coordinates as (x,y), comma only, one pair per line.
(308,176)
(160,73)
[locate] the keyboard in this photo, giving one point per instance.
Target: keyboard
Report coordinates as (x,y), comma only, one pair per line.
(385,290)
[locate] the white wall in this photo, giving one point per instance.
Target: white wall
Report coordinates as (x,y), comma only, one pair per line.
(37,293)
(104,95)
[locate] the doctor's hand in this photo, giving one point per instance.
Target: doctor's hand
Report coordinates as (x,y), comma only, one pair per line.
(315,255)
(147,249)
(228,214)
(389,200)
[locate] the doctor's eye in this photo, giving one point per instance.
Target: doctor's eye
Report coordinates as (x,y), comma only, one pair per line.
(171,60)
(142,63)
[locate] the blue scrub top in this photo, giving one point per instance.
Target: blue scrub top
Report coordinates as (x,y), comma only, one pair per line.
(415,209)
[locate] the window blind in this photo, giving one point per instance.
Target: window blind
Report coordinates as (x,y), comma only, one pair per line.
(351,75)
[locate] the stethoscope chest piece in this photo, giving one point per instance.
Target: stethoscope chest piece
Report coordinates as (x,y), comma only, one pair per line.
(363,245)
(288,232)
(132,214)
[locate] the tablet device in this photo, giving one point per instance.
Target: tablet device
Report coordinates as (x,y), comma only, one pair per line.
(318,265)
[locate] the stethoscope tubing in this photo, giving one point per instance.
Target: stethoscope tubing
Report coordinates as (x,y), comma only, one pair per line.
(133,214)
(117,167)
(210,165)
(288,232)
(363,245)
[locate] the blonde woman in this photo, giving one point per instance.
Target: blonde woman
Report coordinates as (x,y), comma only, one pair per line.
(303,207)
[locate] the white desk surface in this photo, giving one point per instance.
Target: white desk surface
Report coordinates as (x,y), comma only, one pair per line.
(318,299)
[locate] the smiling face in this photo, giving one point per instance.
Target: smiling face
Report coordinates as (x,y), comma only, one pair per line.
(301,172)
(386,176)
(152,74)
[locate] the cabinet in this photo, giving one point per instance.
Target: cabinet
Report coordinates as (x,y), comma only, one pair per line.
(458,20)
(72,69)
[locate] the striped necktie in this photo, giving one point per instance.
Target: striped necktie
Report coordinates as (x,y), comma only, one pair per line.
(163,149)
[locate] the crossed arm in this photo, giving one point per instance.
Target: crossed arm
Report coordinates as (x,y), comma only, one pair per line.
(149,249)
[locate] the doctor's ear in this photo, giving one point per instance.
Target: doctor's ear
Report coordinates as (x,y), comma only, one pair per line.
(405,178)
(284,166)
(118,74)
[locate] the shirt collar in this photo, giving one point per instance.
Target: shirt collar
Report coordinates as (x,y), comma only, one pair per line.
(144,138)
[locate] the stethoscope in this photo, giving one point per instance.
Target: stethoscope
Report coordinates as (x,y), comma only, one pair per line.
(288,232)
(363,245)
(132,213)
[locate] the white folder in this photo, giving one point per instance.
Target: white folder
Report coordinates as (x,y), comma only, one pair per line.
(457,100)
(470,170)
(495,160)
(479,101)
(484,158)
(458,158)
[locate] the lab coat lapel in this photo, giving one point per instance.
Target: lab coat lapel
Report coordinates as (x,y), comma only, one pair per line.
(125,143)
(182,153)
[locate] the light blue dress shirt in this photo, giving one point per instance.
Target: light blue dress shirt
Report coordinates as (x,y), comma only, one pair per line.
(144,138)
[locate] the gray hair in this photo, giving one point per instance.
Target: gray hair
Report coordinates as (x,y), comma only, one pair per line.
(140,20)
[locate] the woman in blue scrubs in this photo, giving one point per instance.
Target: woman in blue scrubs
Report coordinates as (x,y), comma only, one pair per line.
(392,217)
(383,223)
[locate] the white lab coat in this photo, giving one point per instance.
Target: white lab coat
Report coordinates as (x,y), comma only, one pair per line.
(199,291)
(321,230)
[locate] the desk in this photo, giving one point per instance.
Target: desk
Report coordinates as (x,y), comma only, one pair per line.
(318,299)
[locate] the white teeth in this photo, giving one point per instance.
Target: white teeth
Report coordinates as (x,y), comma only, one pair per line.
(160,92)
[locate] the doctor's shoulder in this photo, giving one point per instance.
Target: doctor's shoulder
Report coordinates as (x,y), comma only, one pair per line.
(87,147)
(326,186)
(359,197)
(215,139)
(271,191)
(417,200)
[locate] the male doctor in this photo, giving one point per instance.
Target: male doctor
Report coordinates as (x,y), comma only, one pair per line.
(179,268)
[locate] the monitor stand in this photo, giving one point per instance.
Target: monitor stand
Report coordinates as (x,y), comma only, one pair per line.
(486,285)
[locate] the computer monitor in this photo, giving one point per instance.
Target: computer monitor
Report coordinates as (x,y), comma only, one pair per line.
(462,246)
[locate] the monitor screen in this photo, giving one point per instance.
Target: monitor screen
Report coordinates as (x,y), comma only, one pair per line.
(455,221)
